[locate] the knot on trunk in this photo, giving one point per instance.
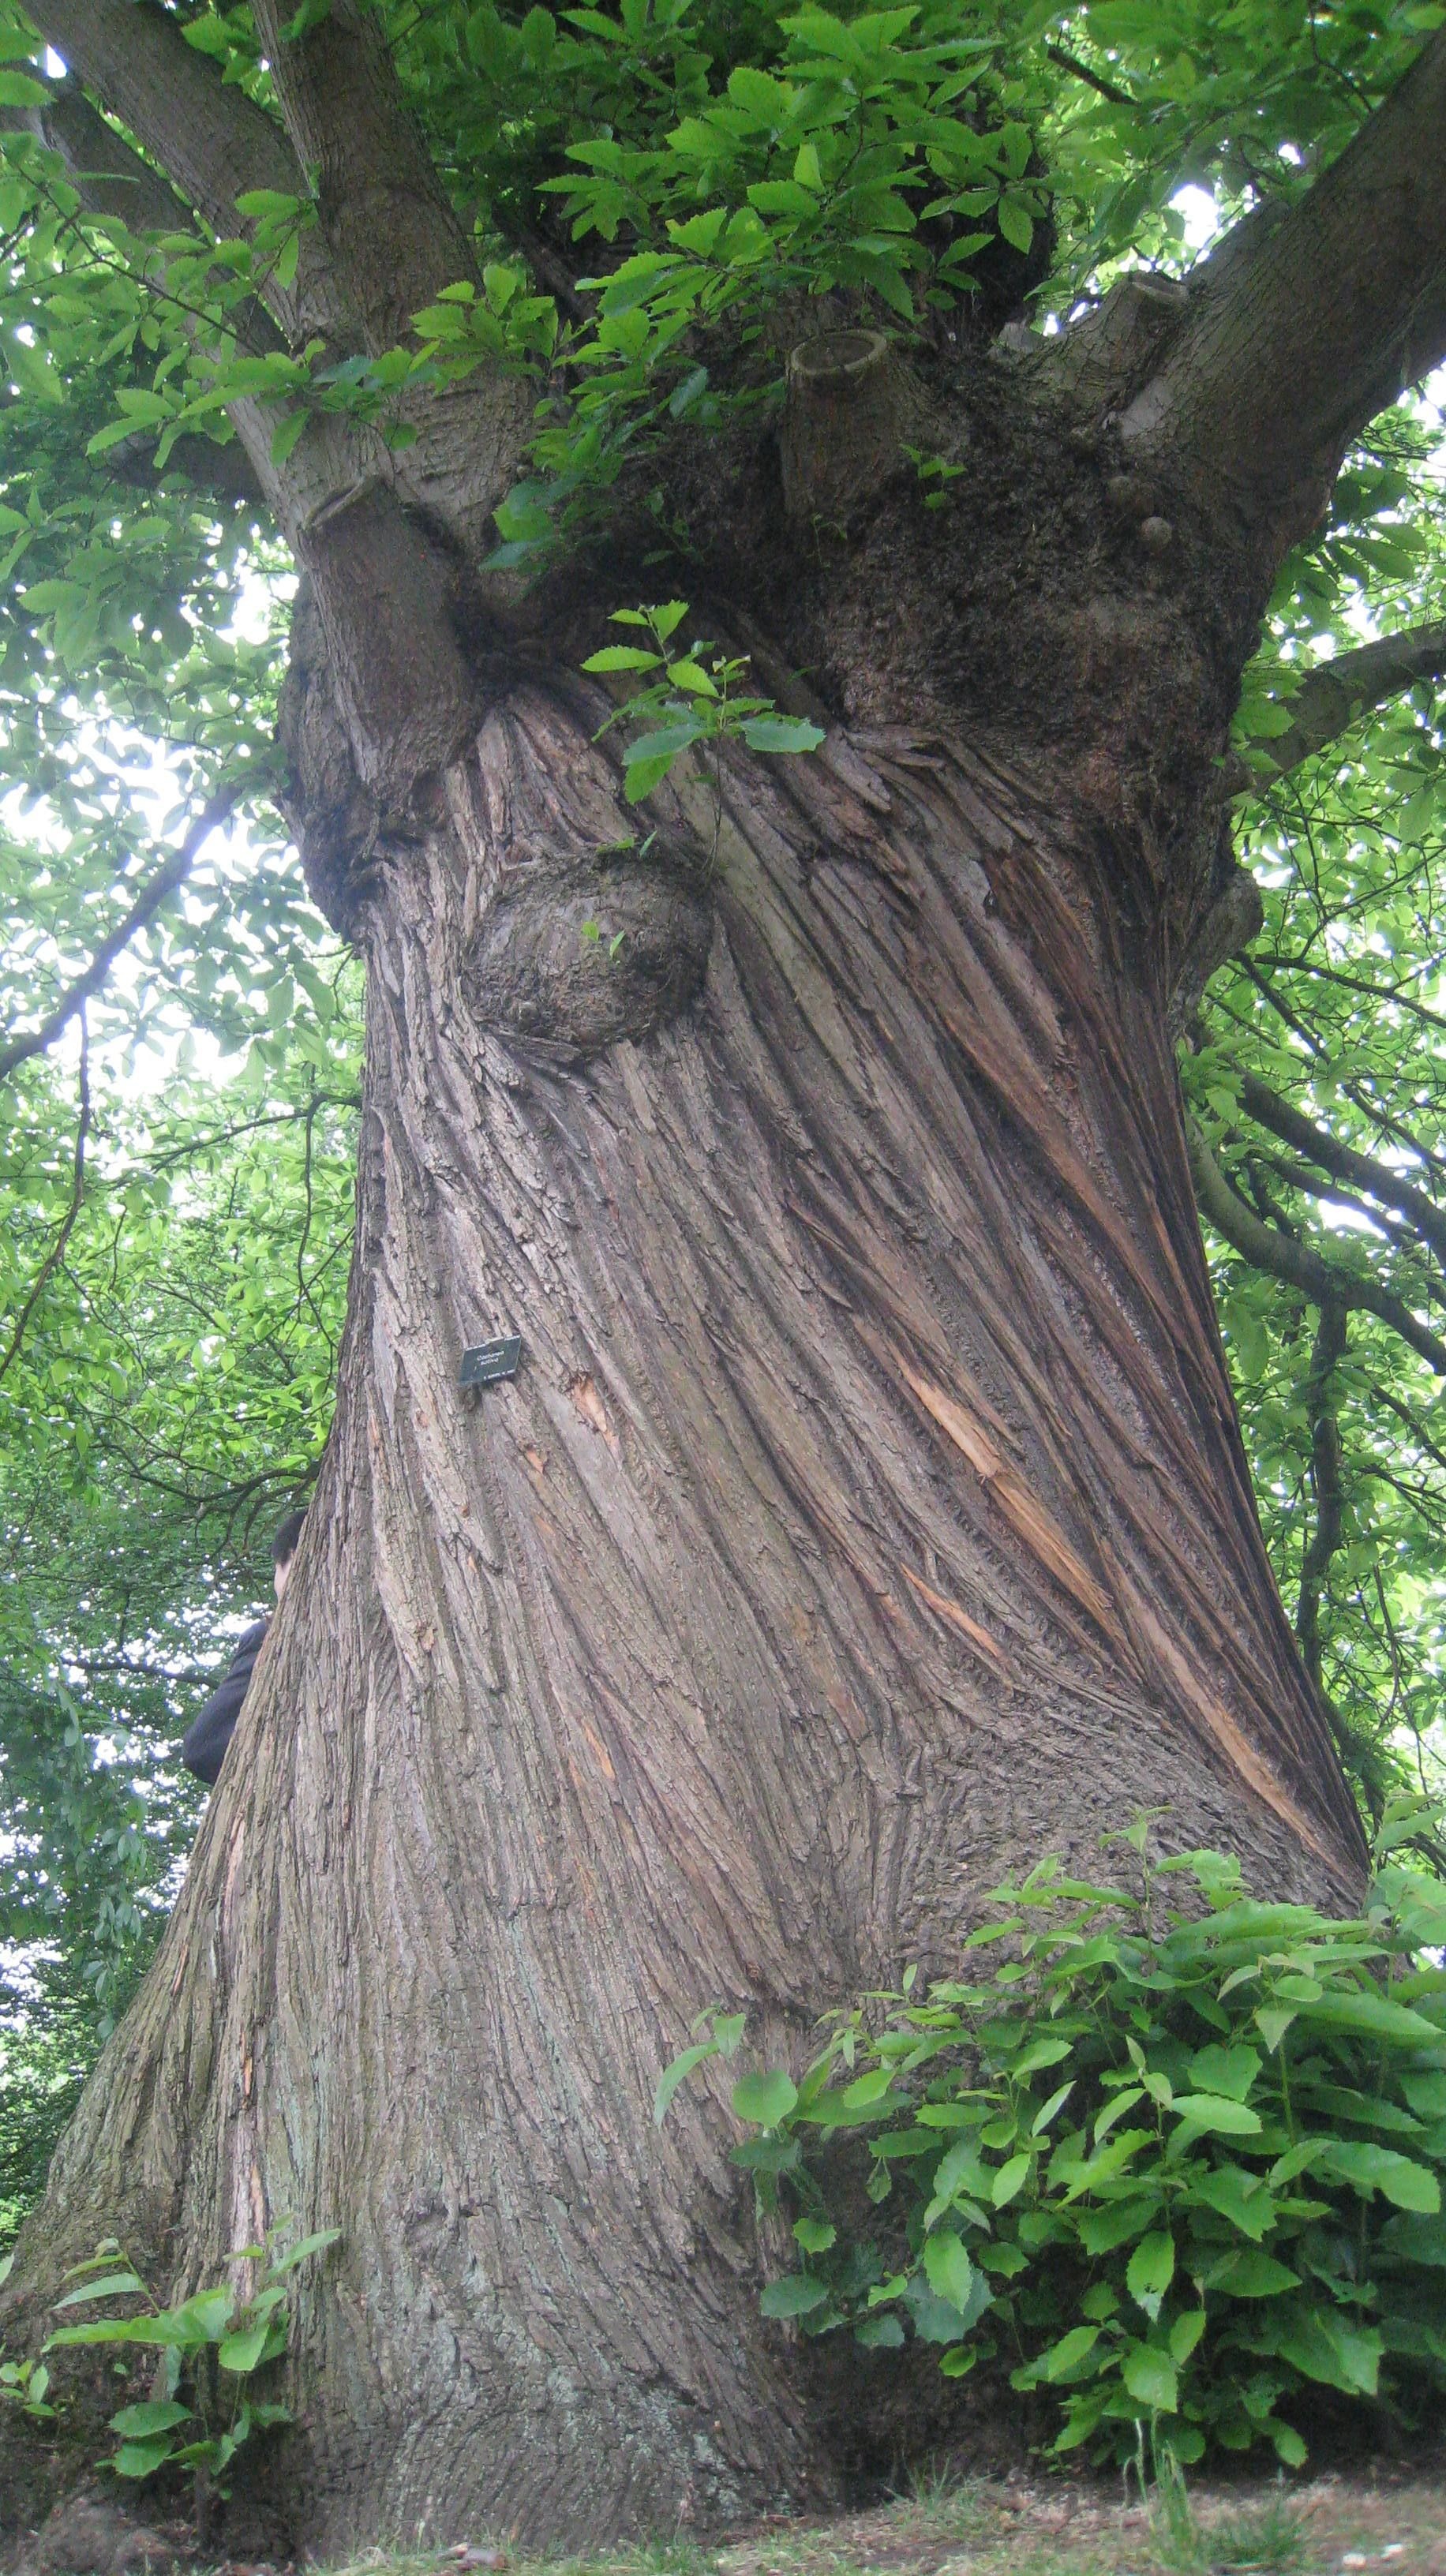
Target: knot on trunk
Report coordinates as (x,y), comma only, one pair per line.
(585,955)
(850,404)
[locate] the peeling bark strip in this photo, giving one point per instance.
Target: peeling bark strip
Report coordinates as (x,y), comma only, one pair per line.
(868,1518)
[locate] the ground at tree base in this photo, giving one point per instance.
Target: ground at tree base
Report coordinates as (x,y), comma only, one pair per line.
(1392,2521)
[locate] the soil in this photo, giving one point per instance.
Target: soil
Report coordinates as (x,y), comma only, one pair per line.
(1389,2520)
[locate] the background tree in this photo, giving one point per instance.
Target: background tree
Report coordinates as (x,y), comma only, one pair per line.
(870,1511)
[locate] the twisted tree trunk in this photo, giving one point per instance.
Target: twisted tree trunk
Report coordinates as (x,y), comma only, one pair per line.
(867,1517)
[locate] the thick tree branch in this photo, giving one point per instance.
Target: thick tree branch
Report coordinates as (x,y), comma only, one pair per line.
(147,904)
(384,214)
(1337,693)
(210,139)
(1323,1282)
(1298,336)
(1317,1145)
(108,177)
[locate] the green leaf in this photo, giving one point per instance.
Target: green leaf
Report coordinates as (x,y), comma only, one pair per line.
(674,2074)
(1068,2353)
(241,2352)
(640,777)
(947,2268)
(1273,2021)
(141,2459)
(1228,2072)
(814,2235)
(796,2295)
(1015,222)
(1371,2168)
(1326,2348)
(765,2099)
(1372,2015)
(881,2333)
(1150,2375)
(115,2285)
(1244,2198)
(693,681)
(287,434)
(1150,2271)
(623,657)
(1216,2114)
(303,2250)
(1010,2180)
(255,203)
(781,733)
(155,2415)
(1249,2274)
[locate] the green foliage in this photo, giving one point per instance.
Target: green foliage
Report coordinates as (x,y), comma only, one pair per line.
(24,2383)
(45,2055)
(1337,1008)
(211,2346)
(1168,2163)
(690,701)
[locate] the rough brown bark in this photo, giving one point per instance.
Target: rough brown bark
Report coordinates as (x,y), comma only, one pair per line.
(868,1517)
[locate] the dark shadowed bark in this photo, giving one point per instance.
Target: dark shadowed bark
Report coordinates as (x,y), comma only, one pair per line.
(868,1516)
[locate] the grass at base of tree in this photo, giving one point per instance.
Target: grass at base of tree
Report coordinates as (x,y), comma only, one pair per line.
(949,2525)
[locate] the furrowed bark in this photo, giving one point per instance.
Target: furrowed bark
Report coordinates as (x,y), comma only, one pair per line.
(1338,306)
(384,216)
(1328,1351)
(867,1517)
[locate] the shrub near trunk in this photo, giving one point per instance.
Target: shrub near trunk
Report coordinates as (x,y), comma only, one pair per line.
(1166,2163)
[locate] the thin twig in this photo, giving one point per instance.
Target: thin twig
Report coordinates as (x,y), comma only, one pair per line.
(147,904)
(77,1194)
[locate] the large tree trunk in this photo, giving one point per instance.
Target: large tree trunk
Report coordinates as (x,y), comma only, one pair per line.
(868,1518)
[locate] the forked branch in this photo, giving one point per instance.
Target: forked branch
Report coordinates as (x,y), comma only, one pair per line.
(1301,331)
(384,214)
(1323,1282)
(212,141)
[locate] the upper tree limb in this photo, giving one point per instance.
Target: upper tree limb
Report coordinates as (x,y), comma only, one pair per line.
(1300,329)
(212,141)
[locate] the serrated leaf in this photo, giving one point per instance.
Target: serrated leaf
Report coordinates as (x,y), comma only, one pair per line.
(947,2268)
